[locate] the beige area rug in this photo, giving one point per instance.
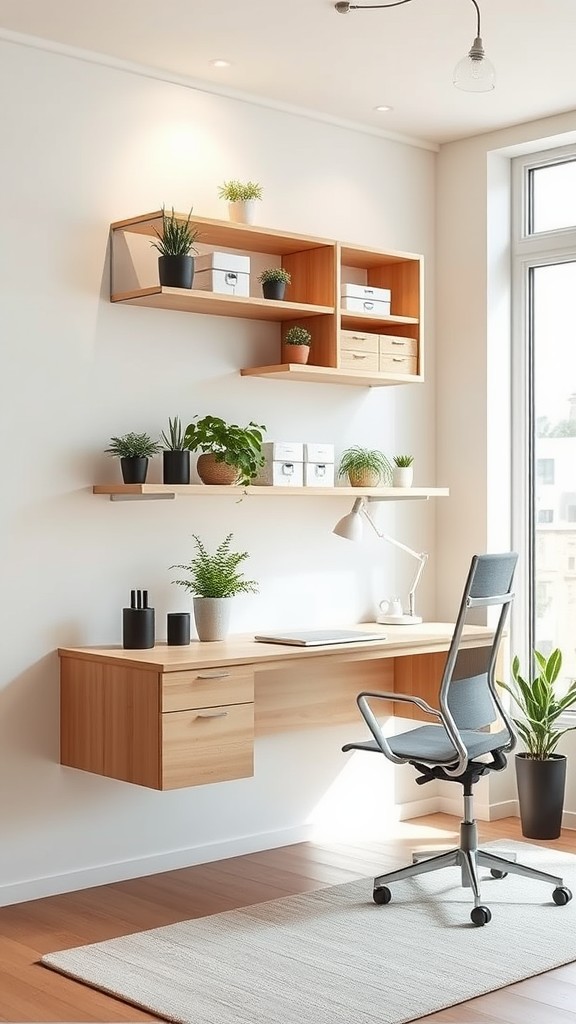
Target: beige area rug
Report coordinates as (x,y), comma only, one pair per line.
(334,957)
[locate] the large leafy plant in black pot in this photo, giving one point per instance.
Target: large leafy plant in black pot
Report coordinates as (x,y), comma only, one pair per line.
(540,771)
(175,244)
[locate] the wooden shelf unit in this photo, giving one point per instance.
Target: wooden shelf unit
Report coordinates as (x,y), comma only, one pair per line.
(123,492)
(318,268)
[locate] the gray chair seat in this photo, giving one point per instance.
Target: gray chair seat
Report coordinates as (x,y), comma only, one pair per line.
(431,743)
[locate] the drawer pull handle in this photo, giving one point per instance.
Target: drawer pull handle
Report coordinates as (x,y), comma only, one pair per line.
(398,359)
(359,337)
(399,343)
(213,714)
(212,675)
(359,355)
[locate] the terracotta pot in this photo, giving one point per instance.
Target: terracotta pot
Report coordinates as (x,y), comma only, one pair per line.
(364,478)
(212,472)
(295,353)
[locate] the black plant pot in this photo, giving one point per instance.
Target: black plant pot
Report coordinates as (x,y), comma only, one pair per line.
(176,271)
(134,469)
(541,786)
(273,289)
(176,467)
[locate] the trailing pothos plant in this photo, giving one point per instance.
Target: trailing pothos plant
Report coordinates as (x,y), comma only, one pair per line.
(216,575)
(540,705)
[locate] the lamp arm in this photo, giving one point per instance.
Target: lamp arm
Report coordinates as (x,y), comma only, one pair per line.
(384,536)
(423,559)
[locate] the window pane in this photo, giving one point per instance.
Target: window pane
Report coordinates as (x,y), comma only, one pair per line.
(553,192)
(554,383)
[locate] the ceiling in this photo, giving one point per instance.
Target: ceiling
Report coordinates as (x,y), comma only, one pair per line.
(301,54)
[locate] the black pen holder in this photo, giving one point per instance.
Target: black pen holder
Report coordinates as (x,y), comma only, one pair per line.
(178,629)
(137,628)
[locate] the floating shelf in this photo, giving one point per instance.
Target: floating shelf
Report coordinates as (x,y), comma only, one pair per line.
(135,492)
(188,300)
(329,375)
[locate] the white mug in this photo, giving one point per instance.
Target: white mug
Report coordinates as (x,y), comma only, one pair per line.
(392,606)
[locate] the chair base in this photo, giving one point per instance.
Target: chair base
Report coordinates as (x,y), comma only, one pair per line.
(469,858)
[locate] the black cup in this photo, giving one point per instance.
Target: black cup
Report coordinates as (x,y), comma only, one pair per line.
(178,629)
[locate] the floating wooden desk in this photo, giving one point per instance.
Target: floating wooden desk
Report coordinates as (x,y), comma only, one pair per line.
(172,717)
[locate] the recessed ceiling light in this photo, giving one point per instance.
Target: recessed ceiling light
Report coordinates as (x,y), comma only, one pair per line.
(219,63)
(382,109)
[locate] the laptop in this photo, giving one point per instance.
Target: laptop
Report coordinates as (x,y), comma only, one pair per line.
(320,637)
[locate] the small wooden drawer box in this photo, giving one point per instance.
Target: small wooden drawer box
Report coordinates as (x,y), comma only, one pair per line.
(394,345)
(207,745)
(398,364)
(351,359)
(207,688)
(358,341)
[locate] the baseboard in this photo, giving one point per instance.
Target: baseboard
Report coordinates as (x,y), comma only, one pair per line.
(418,808)
(104,874)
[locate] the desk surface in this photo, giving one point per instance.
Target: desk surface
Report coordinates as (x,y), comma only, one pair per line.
(424,638)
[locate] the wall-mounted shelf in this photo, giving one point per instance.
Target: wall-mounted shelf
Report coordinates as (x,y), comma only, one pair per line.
(319,268)
(135,492)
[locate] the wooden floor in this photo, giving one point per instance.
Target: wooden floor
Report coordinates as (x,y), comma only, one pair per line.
(29,992)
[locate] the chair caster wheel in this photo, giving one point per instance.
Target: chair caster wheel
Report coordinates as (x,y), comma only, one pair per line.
(382,895)
(480,916)
(561,896)
(498,874)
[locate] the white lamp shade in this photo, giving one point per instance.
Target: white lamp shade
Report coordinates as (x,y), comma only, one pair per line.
(350,527)
(475,73)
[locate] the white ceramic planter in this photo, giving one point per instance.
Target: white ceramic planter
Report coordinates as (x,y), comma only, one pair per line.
(243,211)
(212,617)
(402,476)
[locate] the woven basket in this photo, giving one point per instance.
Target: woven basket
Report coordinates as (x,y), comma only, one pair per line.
(212,472)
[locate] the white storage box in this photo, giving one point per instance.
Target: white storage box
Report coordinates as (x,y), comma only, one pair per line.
(356,305)
(319,474)
(314,452)
(223,261)
(284,466)
(225,282)
(366,291)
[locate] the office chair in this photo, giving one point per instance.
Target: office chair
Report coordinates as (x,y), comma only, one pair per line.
(452,750)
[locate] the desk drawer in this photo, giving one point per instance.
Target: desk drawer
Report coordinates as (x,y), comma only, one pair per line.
(358,341)
(207,687)
(350,359)
(207,745)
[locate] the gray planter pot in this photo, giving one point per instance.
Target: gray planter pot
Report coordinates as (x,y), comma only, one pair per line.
(212,617)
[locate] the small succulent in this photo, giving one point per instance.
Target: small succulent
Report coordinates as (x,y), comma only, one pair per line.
(216,575)
(236,191)
(173,441)
(132,446)
(177,237)
(275,274)
(403,461)
(297,336)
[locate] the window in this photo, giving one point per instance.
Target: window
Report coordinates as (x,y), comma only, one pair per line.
(544,406)
(544,467)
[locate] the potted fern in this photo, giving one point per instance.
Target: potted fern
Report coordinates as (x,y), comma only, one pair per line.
(296,345)
(134,451)
(403,471)
(365,467)
(274,281)
(229,454)
(540,771)
(242,199)
(175,454)
(214,579)
(175,244)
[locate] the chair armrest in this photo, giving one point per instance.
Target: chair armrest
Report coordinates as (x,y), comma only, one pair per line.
(374,725)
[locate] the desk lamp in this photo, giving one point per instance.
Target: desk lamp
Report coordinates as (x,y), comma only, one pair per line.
(351,527)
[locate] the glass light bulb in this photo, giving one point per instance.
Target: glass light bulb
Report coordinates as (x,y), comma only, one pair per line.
(475,73)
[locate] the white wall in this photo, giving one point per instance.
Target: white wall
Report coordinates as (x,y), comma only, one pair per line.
(473,365)
(84,145)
